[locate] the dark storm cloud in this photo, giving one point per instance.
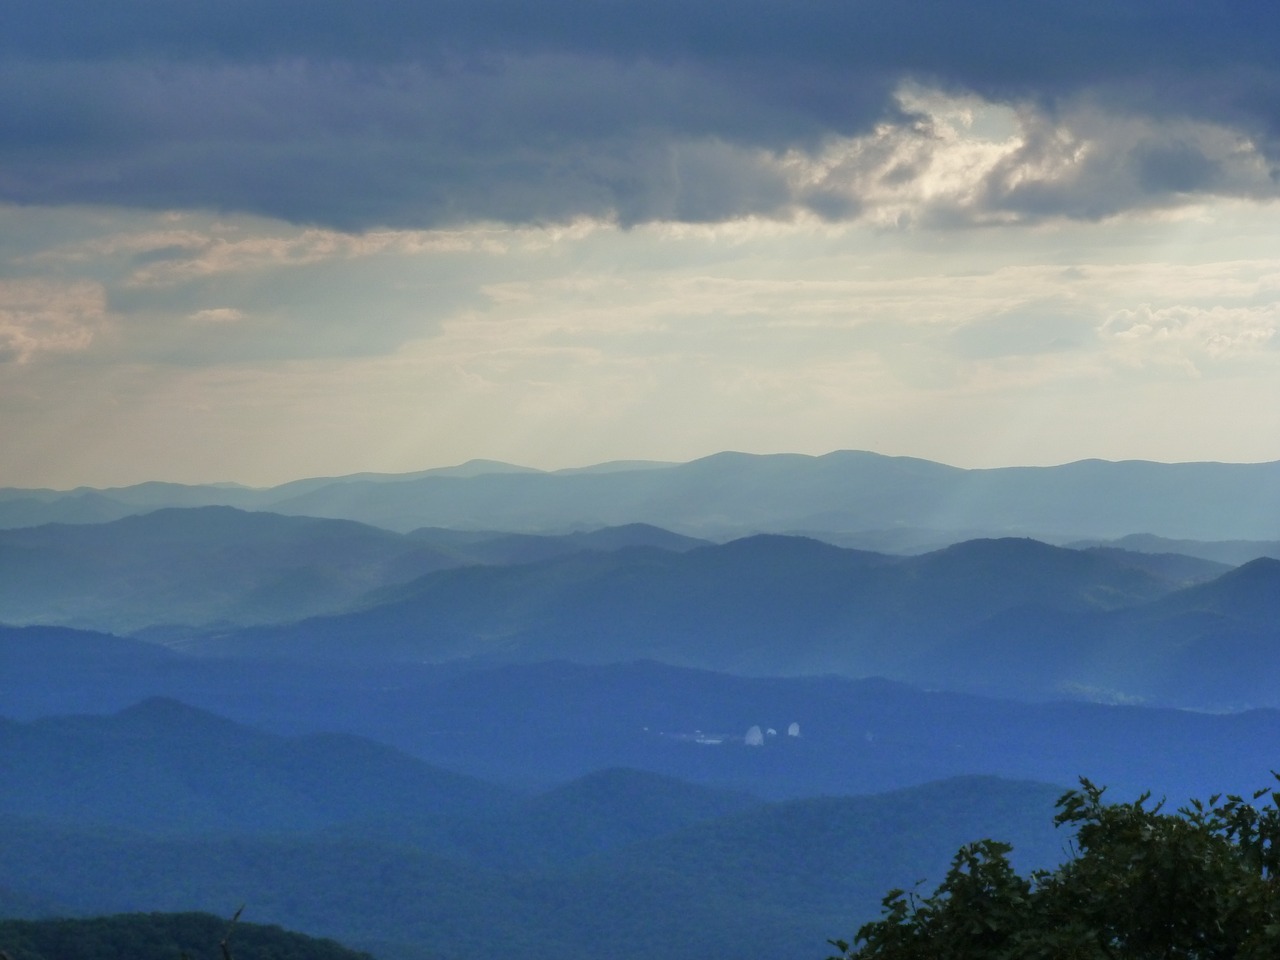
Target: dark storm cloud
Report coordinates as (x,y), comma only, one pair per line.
(383,112)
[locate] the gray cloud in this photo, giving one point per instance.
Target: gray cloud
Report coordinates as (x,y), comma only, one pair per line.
(1090,165)
(385,113)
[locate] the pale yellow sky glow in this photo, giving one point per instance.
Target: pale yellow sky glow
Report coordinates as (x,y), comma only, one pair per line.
(191,347)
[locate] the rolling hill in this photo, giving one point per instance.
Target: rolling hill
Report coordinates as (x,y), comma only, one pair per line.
(163,767)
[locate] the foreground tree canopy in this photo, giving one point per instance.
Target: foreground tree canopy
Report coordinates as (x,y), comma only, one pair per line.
(1196,884)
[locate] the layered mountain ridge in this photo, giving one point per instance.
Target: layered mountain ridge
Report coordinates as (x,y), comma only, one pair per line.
(659,710)
(731,494)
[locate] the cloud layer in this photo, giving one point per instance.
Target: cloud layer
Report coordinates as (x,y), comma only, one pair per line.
(260,239)
(408,115)
(193,347)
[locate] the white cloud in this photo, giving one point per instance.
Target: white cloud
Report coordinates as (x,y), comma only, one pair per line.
(959,160)
(200,246)
(40,317)
(1191,335)
(218,315)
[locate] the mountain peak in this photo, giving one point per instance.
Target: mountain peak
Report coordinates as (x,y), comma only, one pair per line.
(1250,593)
(1259,567)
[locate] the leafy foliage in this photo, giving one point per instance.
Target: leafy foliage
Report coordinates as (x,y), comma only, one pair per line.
(1198,884)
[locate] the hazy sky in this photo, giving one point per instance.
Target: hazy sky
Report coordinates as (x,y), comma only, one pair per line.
(263,240)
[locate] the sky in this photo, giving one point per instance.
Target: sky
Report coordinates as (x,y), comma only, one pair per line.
(258,241)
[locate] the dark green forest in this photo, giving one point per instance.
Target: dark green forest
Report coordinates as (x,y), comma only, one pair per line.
(161,936)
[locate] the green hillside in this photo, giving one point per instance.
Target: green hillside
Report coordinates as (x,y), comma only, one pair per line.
(161,936)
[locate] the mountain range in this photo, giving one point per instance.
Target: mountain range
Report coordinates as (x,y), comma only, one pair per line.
(640,709)
(648,865)
(733,494)
(534,726)
(206,565)
(644,863)
(1012,617)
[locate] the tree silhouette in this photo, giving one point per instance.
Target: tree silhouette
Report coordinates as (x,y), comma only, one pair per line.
(1141,884)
